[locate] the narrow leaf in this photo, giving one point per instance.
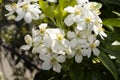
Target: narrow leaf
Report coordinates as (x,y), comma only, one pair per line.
(76,72)
(112,22)
(108,64)
(116,13)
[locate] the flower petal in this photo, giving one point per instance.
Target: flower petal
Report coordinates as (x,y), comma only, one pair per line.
(97,42)
(46,65)
(78,58)
(47,41)
(81,26)
(96,51)
(69,20)
(70,34)
(8,7)
(57,67)
(28,17)
(89,52)
(74,43)
(61,58)
(69,9)
(91,38)
(25,47)
(84,52)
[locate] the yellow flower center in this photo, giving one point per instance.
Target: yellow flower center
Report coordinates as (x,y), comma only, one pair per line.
(88,19)
(78,11)
(60,37)
(93,46)
(53,60)
(78,51)
(101,29)
(42,31)
(25,7)
(79,35)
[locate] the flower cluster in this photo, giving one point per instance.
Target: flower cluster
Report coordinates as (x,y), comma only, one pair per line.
(55,45)
(27,9)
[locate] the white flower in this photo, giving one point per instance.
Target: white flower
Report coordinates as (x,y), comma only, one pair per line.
(43,45)
(94,6)
(52,61)
(12,8)
(28,12)
(78,50)
(79,35)
(79,53)
(60,44)
(99,31)
(86,21)
(28,40)
(75,12)
(42,41)
(78,46)
(93,43)
(55,32)
(42,28)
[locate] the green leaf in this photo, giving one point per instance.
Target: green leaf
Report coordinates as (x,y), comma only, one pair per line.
(76,72)
(112,50)
(47,10)
(112,22)
(116,2)
(110,27)
(42,75)
(108,64)
(106,44)
(96,76)
(116,13)
(43,5)
(1,1)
